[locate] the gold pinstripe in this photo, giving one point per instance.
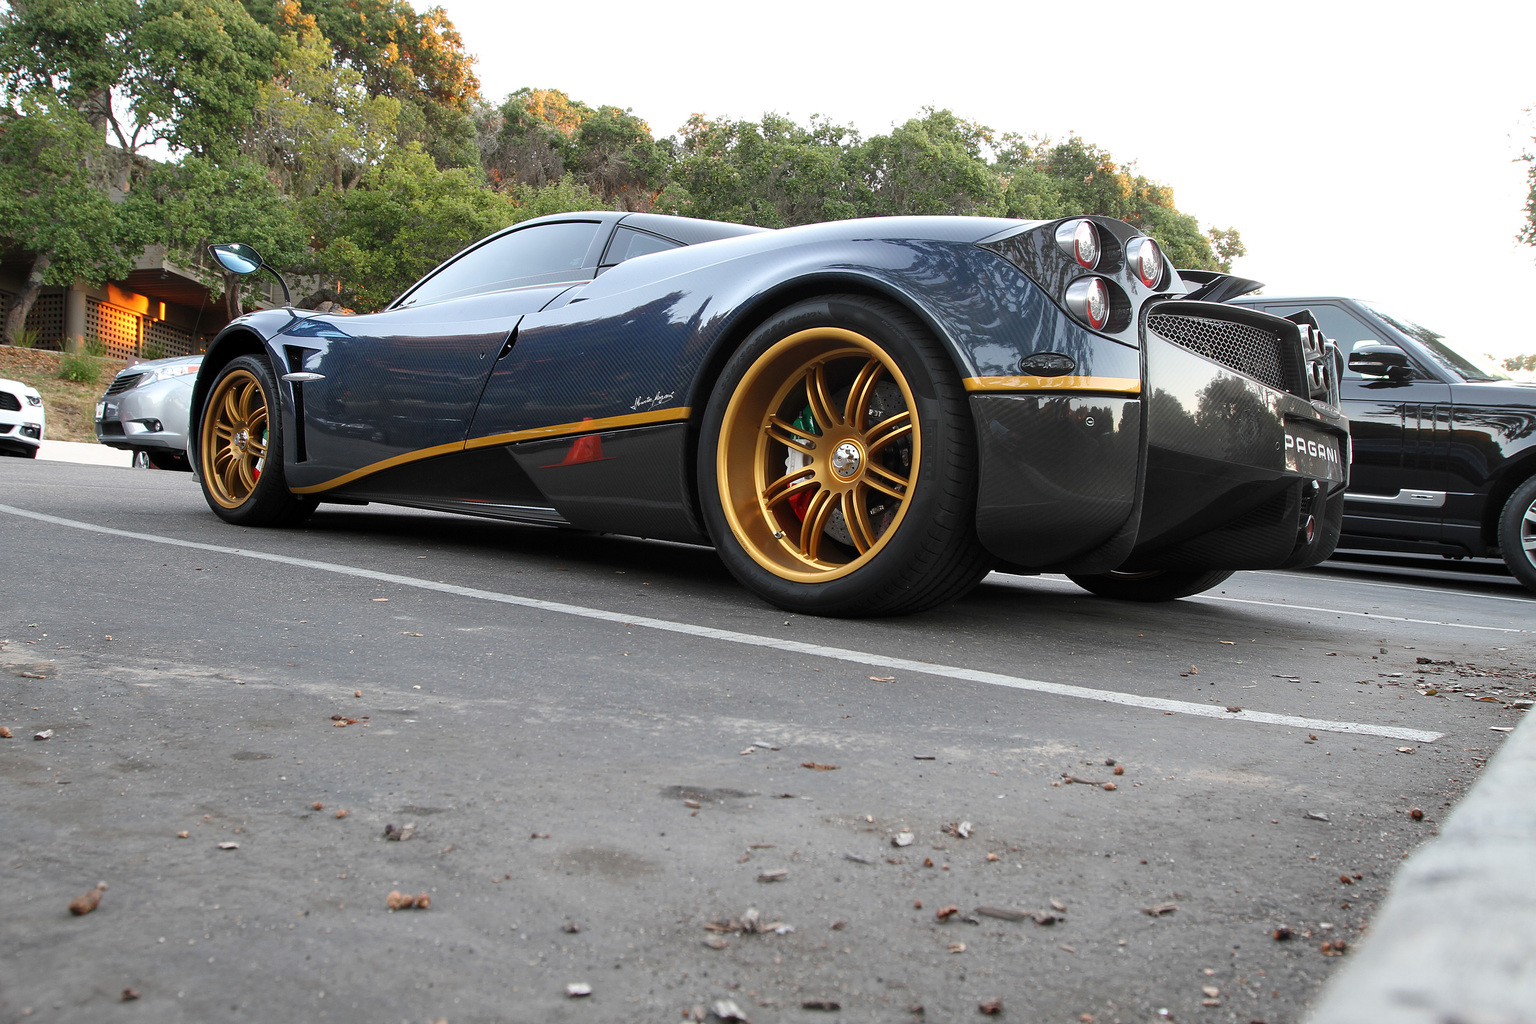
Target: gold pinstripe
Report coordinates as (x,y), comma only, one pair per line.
(638,419)
(1124,385)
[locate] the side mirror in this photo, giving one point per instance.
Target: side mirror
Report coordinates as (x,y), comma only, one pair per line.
(1374,359)
(237,257)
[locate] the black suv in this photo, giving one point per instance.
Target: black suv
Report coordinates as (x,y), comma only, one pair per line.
(1444,443)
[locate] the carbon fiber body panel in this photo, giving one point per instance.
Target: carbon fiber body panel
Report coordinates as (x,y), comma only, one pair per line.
(1058,476)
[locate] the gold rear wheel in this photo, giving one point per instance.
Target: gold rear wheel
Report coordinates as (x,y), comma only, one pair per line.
(234,438)
(819,453)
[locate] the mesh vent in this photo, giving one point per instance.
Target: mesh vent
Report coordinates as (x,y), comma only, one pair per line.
(9,402)
(1250,350)
(123,382)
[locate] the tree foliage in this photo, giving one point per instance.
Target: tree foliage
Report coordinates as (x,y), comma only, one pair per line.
(348,140)
(195,202)
(402,218)
(1528,229)
(179,72)
(54,201)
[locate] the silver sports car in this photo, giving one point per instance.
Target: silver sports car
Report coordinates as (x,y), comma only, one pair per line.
(145,410)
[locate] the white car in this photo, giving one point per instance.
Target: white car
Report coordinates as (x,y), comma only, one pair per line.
(21,419)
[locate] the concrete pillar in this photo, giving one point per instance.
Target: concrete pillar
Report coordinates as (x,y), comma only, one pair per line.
(74,318)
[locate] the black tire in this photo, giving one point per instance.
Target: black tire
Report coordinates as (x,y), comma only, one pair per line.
(165,458)
(140,459)
(240,449)
(880,519)
(1156,585)
(1517,533)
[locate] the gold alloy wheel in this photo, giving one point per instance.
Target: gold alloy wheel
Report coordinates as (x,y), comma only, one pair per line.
(234,438)
(816,463)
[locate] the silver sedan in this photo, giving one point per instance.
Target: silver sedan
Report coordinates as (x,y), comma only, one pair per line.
(145,411)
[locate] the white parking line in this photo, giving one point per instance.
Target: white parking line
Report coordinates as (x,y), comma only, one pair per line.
(862,658)
(1377,616)
(1346,581)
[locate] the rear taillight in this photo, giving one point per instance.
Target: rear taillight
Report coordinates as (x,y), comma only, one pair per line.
(1088,300)
(1080,240)
(1147,261)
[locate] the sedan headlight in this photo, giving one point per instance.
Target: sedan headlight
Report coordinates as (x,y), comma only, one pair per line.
(34,400)
(167,372)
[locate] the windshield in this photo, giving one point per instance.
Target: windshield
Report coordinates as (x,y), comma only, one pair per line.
(1459,362)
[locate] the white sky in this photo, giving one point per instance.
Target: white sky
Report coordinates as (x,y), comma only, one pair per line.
(1365,149)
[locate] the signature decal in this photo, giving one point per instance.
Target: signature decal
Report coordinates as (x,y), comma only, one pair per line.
(653,401)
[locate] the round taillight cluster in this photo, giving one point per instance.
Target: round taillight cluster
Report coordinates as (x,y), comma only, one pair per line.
(1088,300)
(1080,240)
(1147,261)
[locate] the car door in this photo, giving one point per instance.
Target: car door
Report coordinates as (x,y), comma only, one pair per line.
(406,380)
(1399,433)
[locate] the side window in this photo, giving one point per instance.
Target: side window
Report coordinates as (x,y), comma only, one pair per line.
(628,243)
(1346,330)
(540,254)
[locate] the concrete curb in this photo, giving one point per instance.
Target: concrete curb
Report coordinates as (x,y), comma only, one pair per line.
(84,453)
(1455,942)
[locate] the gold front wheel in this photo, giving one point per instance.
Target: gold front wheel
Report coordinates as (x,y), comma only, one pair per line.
(240,449)
(234,438)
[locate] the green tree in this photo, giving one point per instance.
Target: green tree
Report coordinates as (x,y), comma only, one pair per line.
(54,202)
(402,218)
(186,73)
(522,141)
(564,195)
(771,173)
(317,125)
(934,164)
(613,153)
(389,50)
(397,51)
(1528,229)
(188,205)
(538,136)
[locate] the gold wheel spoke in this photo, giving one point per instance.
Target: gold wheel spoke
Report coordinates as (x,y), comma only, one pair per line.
(815,524)
(789,435)
(820,399)
(247,476)
(897,425)
(230,477)
(856,515)
(873,473)
(250,403)
(788,484)
(229,408)
(856,414)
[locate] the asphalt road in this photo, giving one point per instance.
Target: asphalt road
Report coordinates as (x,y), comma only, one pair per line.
(602,745)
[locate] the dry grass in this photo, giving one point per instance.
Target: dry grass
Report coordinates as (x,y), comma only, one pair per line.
(71,408)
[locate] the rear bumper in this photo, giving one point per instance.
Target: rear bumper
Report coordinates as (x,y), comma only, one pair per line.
(1206,469)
